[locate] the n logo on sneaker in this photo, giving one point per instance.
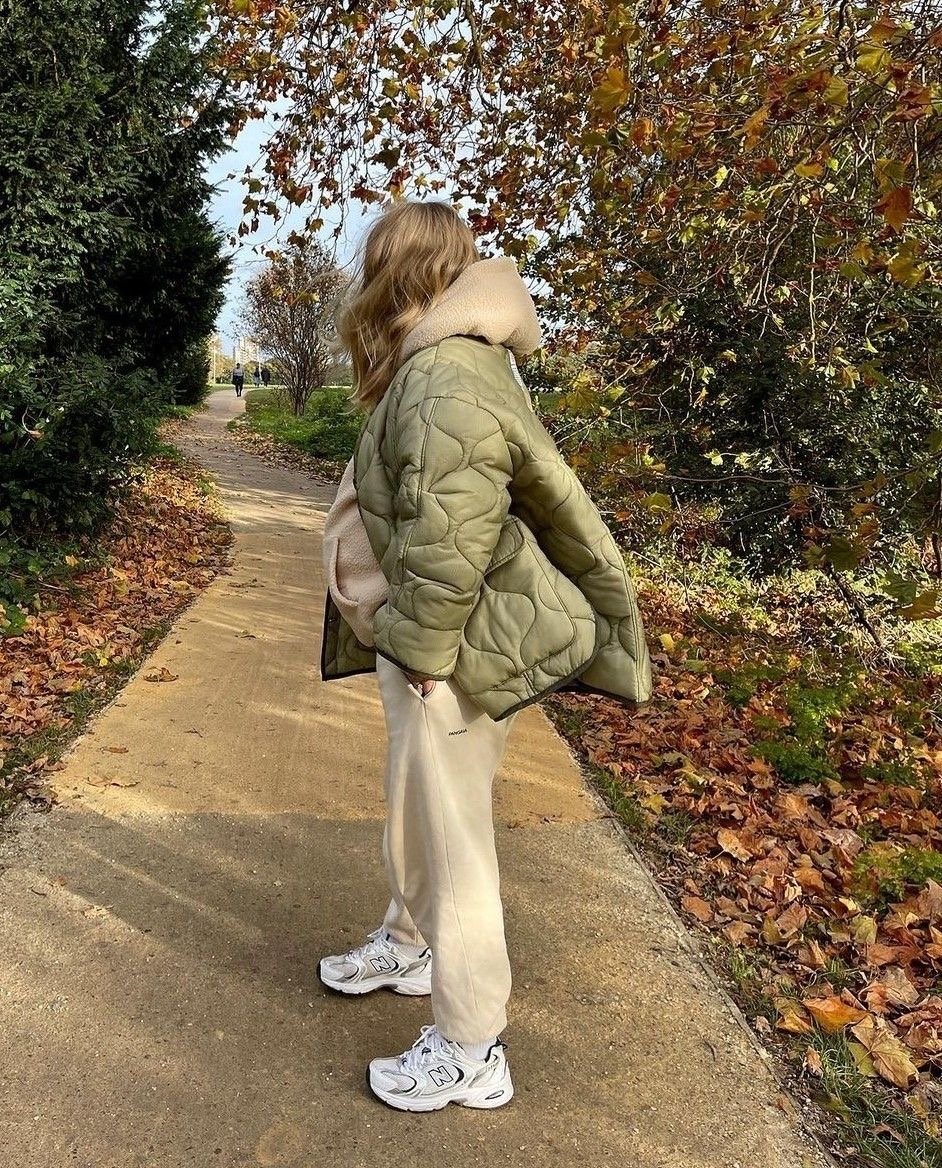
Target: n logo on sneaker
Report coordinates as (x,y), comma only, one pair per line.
(383,964)
(441,1076)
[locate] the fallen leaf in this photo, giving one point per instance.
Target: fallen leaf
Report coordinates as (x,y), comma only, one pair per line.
(832,1014)
(792,1017)
(900,991)
(882,954)
(811,880)
(730,842)
(862,1058)
(789,922)
(863,929)
(929,902)
(876,997)
(811,954)
(737,931)
(654,802)
(890,1057)
(163,674)
(697,907)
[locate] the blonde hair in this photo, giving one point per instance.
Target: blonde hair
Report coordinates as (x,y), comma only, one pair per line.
(412,254)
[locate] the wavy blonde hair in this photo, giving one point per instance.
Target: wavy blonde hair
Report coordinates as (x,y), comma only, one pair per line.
(411,255)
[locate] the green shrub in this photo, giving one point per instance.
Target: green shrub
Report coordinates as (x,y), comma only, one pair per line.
(191,387)
(811,707)
(895,772)
(327,429)
(800,752)
(334,426)
(112,272)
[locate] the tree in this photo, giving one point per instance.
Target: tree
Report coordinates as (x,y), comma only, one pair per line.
(736,203)
(111,274)
(289,311)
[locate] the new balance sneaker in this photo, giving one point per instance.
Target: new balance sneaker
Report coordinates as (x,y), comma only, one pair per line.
(436,1072)
(379,964)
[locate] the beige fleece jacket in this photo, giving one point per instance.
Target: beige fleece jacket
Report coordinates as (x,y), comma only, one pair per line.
(355,579)
(488,300)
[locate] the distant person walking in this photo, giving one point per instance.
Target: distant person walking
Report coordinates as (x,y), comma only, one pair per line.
(257,376)
(266,376)
(238,378)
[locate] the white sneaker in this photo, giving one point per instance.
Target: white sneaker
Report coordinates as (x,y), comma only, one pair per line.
(379,964)
(436,1072)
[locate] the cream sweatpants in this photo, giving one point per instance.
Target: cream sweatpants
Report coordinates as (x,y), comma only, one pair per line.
(439,848)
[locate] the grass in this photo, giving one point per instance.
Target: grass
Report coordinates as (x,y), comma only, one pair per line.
(328,428)
(877,1133)
(884,873)
(750,990)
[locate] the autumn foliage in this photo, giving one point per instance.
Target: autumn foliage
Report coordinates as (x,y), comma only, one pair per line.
(798,822)
(730,206)
(165,544)
(730,214)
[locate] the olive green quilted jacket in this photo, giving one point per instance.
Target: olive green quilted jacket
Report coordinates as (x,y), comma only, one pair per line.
(502,574)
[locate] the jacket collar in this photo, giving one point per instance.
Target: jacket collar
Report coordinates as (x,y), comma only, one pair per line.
(488,300)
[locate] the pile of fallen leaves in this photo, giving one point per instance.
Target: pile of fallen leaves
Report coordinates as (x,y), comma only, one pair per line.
(283,454)
(165,544)
(829,891)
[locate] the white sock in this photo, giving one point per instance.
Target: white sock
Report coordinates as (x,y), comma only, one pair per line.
(478,1050)
(404,949)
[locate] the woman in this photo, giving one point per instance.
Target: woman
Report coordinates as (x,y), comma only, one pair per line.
(469,568)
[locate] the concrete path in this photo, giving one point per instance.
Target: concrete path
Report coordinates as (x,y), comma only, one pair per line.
(160,930)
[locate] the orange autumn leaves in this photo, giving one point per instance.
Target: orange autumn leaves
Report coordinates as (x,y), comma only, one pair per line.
(164,545)
(807,879)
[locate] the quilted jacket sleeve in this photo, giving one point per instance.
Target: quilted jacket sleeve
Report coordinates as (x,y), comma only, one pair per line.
(452,467)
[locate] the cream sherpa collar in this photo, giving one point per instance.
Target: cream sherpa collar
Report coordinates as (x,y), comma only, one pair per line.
(487,300)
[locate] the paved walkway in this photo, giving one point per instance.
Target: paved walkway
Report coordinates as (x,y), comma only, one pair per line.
(159,931)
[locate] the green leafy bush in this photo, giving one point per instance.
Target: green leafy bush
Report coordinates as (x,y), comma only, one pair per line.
(191,385)
(334,425)
(896,772)
(800,752)
(811,707)
(743,683)
(112,273)
(327,429)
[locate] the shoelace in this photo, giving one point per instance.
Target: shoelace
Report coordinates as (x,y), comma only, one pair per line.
(372,938)
(426,1048)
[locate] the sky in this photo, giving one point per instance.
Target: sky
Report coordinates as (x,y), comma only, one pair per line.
(226,211)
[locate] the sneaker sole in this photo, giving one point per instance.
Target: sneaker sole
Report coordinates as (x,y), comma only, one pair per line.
(481,1100)
(413,989)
